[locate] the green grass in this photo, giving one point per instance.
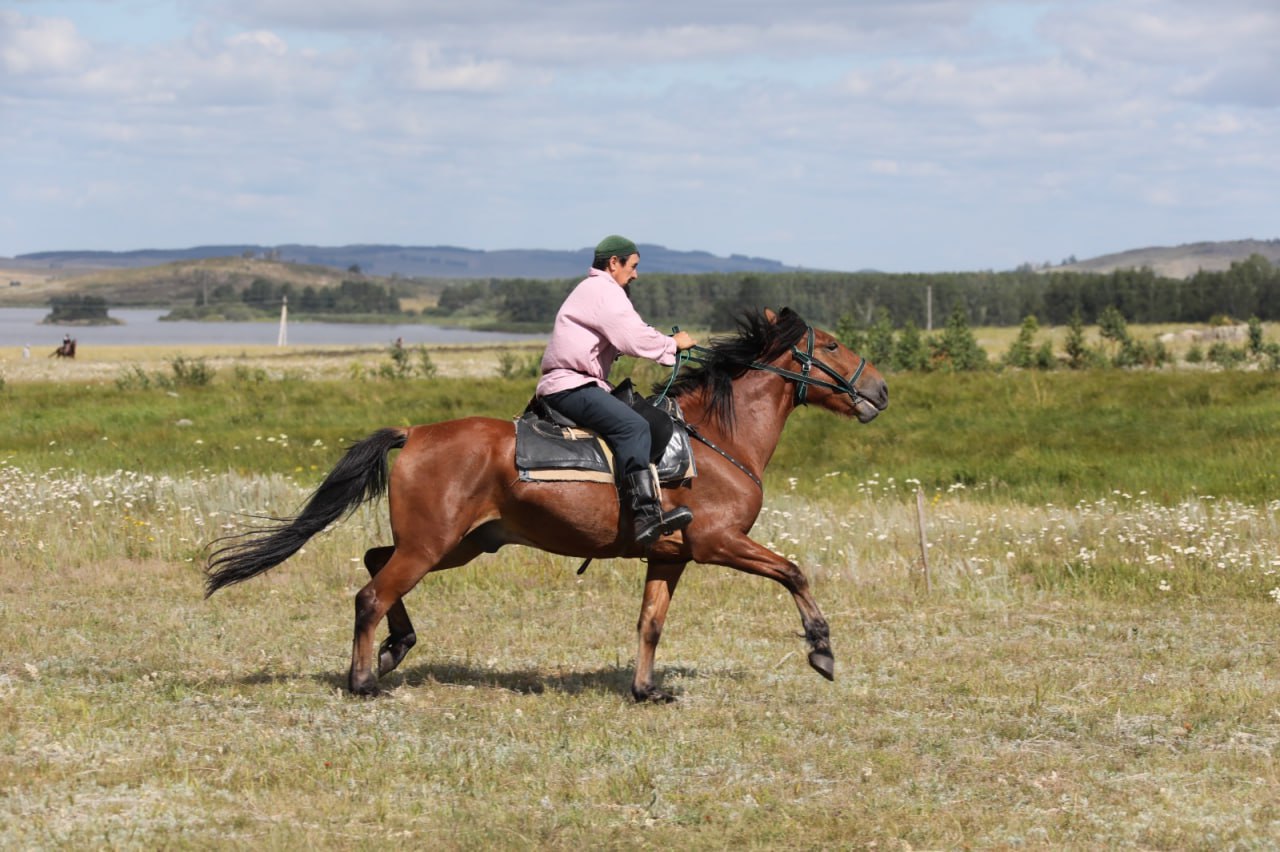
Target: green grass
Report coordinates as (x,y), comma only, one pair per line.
(1027,437)
(1058,437)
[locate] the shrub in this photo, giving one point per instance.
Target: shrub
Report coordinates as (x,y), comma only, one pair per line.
(957,349)
(512,366)
(1077,350)
(880,344)
(848,333)
(426,367)
(133,378)
(1043,358)
(1020,352)
(399,366)
(911,352)
(1255,336)
(1271,351)
(191,372)
(247,375)
(1226,356)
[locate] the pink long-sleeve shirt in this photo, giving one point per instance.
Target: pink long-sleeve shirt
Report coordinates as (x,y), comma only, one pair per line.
(595,324)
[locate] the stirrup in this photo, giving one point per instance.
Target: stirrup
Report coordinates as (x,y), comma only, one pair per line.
(677,519)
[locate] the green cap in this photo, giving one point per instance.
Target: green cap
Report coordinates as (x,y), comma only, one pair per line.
(615,245)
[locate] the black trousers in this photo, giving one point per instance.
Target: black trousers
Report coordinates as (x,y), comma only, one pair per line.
(623,429)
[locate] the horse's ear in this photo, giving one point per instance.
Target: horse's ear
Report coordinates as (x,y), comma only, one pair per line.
(770,315)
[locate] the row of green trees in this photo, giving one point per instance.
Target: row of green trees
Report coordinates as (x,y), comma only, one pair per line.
(955,348)
(1248,288)
(263,297)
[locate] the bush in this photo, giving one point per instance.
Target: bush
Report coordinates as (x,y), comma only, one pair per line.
(957,349)
(247,375)
(426,367)
(133,378)
(401,364)
(1078,354)
(911,352)
(1226,356)
(1020,353)
(511,366)
(191,372)
(1255,336)
(880,343)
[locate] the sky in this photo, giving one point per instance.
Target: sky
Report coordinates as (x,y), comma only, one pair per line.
(901,135)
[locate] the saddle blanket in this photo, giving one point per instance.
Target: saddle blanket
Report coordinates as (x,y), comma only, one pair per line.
(552,452)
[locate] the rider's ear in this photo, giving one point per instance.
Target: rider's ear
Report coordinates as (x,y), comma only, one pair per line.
(770,315)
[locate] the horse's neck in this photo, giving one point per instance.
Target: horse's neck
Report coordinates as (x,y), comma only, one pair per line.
(761,404)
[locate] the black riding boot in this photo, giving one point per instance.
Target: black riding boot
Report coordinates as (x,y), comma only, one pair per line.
(650,521)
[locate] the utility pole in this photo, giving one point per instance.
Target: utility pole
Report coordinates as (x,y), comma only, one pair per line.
(283,337)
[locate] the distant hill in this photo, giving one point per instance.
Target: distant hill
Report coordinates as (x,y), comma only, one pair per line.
(406,261)
(1179,261)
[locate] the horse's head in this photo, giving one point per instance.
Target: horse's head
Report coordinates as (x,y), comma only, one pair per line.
(833,376)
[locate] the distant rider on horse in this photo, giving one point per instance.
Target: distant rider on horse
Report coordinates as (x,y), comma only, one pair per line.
(596,323)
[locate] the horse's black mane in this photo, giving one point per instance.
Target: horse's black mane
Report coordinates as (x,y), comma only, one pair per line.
(727,358)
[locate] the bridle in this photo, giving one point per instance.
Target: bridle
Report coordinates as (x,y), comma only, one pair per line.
(803,380)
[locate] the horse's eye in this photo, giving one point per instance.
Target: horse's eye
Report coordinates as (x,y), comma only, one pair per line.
(833,346)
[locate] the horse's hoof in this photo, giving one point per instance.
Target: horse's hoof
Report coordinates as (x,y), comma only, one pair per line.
(652,695)
(823,663)
(393,652)
(363,687)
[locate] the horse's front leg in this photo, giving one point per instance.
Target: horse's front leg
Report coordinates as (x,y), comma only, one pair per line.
(659,585)
(743,554)
(402,636)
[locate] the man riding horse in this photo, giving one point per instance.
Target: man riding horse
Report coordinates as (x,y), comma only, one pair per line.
(595,324)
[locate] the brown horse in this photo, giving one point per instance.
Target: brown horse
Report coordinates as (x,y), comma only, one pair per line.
(66,349)
(454,493)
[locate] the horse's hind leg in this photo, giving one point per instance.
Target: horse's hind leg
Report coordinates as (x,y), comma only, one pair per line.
(659,585)
(402,636)
(382,594)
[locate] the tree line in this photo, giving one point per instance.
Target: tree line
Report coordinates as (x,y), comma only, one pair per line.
(859,299)
(263,297)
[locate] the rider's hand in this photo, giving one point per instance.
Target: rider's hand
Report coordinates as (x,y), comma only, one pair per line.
(683,340)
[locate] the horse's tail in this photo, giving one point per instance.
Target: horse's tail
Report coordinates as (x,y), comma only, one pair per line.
(360,476)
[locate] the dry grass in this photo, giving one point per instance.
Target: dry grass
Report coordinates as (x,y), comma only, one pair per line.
(1027,701)
(106,363)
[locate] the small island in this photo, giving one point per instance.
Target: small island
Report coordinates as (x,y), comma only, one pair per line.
(79,310)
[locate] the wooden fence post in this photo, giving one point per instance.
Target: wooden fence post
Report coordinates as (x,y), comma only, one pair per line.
(924,540)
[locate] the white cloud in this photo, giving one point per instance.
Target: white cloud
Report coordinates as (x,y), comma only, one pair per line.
(39,46)
(423,67)
(263,40)
(836,134)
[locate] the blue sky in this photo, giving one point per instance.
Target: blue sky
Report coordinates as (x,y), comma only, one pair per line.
(905,135)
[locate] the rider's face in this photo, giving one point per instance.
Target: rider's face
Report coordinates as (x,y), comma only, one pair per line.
(624,271)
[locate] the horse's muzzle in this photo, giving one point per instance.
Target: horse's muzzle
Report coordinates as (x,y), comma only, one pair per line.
(871,401)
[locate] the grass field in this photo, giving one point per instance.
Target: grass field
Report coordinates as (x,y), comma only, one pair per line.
(1093,663)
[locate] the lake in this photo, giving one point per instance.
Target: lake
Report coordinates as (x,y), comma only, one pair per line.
(21,327)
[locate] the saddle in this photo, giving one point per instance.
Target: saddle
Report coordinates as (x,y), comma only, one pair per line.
(551,447)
